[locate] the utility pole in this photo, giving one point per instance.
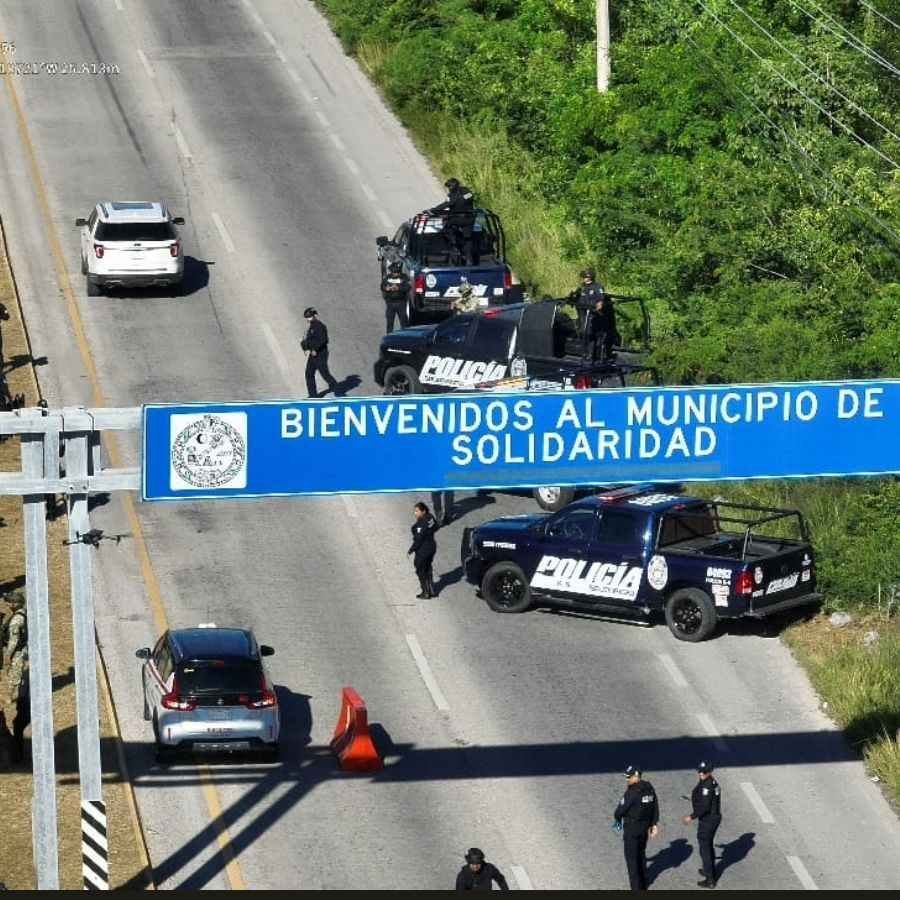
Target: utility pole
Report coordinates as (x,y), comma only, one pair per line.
(602,46)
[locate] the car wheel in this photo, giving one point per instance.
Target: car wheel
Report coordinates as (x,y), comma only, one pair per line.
(553,498)
(147,714)
(410,312)
(84,268)
(178,289)
(401,380)
(690,615)
(505,588)
(164,753)
(272,753)
(93,289)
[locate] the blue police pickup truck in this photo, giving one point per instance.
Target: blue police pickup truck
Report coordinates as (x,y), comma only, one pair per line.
(425,248)
(632,551)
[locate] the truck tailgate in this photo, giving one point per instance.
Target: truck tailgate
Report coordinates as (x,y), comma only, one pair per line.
(486,281)
(782,576)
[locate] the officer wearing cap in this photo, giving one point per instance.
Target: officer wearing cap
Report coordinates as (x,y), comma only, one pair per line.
(315,344)
(395,292)
(460,210)
(478,875)
(638,816)
(585,297)
(706,803)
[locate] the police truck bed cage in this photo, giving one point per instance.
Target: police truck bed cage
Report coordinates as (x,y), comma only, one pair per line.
(486,222)
(702,528)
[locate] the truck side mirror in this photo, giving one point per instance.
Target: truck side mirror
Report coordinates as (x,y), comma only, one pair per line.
(266,650)
(382,240)
(143,653)
(80,222)
(178,220)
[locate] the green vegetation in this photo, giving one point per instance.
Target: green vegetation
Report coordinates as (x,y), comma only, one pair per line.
(743,172)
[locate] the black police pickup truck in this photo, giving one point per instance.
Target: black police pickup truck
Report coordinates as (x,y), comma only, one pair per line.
(532,341)
(631,551)
(426,250)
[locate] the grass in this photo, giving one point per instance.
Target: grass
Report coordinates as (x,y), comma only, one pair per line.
(126,853)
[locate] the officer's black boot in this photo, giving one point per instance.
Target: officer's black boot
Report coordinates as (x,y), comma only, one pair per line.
(423,584)
(429,580)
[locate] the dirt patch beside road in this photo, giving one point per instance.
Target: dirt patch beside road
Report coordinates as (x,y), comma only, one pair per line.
(128,863)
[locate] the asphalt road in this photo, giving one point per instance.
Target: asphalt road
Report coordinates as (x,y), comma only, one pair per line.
(248,119)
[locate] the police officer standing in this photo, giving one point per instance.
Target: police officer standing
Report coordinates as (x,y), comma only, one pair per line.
(395,291)
(585,297)
(460,210)
(424,548)
(478,875)
(706,803)
(638,816)
(316,346)
(601,335)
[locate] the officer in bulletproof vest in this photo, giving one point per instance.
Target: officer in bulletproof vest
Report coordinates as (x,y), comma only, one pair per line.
(14,629)
(585,297)
(459,207)
(315,344)
(638,816)
(478,874)
(706,810)
(395,291)
(600,335)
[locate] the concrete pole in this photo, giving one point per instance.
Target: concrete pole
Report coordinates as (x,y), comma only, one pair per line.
(603,67)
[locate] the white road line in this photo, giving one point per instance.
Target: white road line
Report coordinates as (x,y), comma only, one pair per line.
(337,142)
(673,670)
(253,13)
(350,506)
(352,166)
(280,55)
(182,144)
(802,875)
(370,194)
(277,352)
(757,803)
(270,37)
(385,219)
(323,118)
(223,232)
(522,879)
(146,63)
(119,6)
(440,701)
(706,723)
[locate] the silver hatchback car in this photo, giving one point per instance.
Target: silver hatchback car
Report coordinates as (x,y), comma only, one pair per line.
(206,689)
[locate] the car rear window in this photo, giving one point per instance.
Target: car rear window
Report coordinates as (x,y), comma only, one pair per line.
(215,676)
(134,231)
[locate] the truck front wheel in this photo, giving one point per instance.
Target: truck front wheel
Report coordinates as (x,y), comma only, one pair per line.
(553,498)
(505,588)
(401,380)
(690,615)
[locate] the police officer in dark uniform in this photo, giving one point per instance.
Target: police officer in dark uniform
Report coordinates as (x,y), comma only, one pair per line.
(585,297)
(395,291)
(601,336)
(706,803)
(478,875)
(638,816)
(459,208)
(424,548)
(316,346)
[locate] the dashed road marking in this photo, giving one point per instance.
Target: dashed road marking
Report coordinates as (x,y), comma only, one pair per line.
(280,55)
(385,219)
(182,144)
(802,875)
(757,803)
(706,723)
(337,142)
(269,37)
(370,194)
(522,879)
(119,6)
(323,118)
(673,670)
(253,13)
(223,232)
(440,701)
(352,166)
(146,63)
(277,352)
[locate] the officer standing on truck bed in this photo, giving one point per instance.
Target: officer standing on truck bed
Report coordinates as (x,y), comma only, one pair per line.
(315,344)
(706,803)
(600,335)
(585,297)
(395,291)
(638,816)
(460,210)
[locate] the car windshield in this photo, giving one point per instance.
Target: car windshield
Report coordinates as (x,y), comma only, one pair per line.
(134,231)
(211,676)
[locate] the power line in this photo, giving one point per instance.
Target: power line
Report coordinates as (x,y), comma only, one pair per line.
(791,140)
(814,73)
(799,90)
(880,14)
(852,41)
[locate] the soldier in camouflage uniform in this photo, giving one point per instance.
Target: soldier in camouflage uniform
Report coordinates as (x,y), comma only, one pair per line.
(467,301)
(15,629)
(22,700)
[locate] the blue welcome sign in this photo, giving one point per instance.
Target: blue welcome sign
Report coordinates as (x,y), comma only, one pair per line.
(521,439)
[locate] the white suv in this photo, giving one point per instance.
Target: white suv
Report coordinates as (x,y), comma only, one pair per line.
(130,244)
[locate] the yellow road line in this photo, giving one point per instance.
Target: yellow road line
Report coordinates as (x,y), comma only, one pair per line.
(154,594)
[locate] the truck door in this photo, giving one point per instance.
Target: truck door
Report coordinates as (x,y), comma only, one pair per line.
(620,548)
(454,360)
(566,554)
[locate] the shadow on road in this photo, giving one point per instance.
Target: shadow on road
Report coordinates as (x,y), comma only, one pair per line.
(735,851)
(671,857)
